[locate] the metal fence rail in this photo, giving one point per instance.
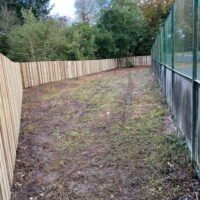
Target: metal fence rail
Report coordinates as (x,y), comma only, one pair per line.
(176,63)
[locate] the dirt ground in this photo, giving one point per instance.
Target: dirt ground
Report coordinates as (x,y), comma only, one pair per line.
(101,137)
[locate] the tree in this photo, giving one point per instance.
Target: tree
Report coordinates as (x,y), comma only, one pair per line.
(80,44)
(104,3)
(8,20)
(64,21)
(40,40)
(121,28)
(105,44)
(36,40)
(155,11)
(154,14)
(85,10)
(123,21)
(40,8)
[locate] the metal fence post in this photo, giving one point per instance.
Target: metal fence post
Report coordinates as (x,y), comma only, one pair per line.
(172,36)
(194,76)
(172,43)
(164,59)
(160,47)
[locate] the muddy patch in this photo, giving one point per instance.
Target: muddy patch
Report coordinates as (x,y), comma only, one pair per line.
(101,137)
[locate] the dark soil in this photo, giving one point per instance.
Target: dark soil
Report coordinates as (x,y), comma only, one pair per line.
(101,137)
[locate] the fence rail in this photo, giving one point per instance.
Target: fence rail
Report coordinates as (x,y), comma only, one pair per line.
(176,63)
(16,76)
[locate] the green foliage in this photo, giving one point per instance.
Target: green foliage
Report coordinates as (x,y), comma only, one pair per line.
(105,45)
(105,29)
(28,16)
(40,8)
(129,64)
(85,39)
(35,40)
(154,14)
(38,40)
(79,42)
(8,20)
(123,22)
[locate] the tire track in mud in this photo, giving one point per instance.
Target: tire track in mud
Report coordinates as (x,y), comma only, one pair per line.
(128,97)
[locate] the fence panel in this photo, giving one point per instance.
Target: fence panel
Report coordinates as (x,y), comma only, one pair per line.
(180,71)
(183,36)
(168,41)
(10,113)
(38,73)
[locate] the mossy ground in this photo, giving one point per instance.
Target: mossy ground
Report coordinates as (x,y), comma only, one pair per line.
(99,138)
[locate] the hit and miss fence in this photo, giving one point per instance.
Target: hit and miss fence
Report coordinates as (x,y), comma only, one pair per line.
(15,76)
(176,62)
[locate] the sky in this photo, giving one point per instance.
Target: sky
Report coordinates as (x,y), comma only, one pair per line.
(63,8)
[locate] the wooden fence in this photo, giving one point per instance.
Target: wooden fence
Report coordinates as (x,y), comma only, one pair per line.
(15,76)
(11,90)
(38,73)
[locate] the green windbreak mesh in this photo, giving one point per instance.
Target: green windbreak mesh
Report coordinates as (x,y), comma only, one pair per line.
(154,52)
(183,35)
(158,48)
(198,55)
(162,56)
(168,41)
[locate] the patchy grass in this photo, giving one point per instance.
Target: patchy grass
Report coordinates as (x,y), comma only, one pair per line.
(104,138)
(52,94)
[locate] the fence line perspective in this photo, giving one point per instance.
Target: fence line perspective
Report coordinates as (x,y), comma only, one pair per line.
(38,73)
(176,62)
(10,113)
(16,76)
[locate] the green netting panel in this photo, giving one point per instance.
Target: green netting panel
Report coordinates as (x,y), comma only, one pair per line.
(152,52)
(158,48)
(155,50)
(198,34)
(183,35)
(162,52)
(168,41)
(154,55)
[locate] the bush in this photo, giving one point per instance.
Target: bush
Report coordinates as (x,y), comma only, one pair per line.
(129,64)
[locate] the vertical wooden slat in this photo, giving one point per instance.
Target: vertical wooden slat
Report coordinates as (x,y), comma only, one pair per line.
(34,74)
(10,113)
(4,183)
